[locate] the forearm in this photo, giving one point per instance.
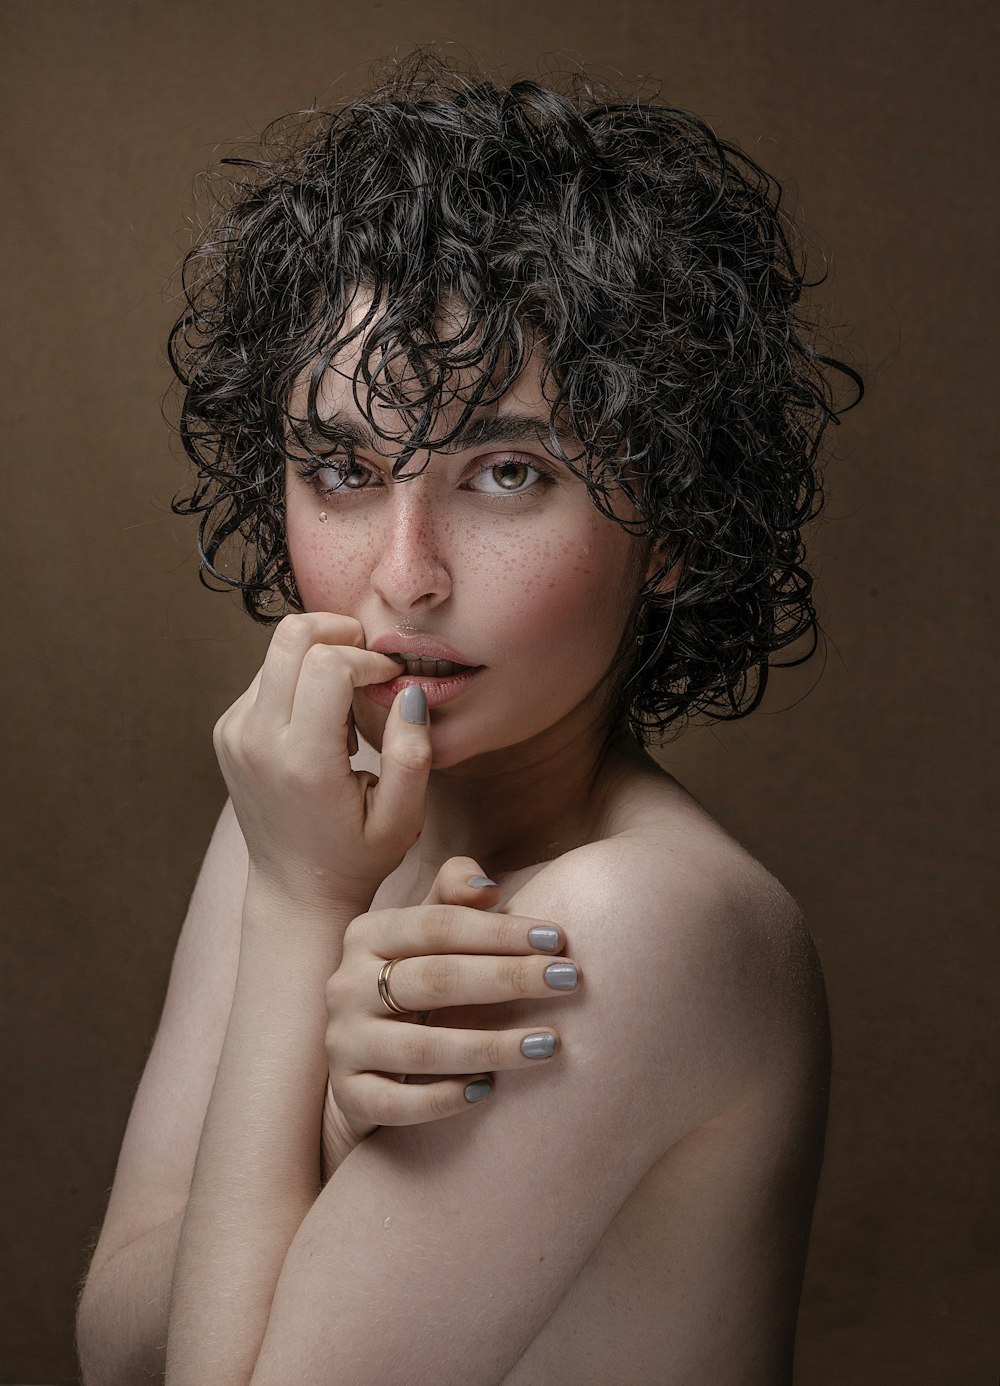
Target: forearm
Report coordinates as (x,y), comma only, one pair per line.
(121,1325)
(258,1169)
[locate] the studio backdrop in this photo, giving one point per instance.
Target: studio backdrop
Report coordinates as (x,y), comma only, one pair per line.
(863,783)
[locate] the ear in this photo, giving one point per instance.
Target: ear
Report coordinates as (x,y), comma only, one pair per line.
(664,559)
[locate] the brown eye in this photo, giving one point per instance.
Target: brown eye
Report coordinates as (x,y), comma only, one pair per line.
(511,477)
(343,476)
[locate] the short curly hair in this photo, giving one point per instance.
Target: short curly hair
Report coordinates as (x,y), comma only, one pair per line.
(651,262)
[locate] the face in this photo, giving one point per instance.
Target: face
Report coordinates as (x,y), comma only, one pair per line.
(492,565)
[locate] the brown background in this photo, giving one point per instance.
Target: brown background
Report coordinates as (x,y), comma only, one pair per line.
(869,798)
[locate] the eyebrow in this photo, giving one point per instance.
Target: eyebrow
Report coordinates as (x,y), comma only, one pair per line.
(492,429)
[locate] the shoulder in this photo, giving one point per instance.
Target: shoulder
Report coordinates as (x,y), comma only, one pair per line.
(699,948)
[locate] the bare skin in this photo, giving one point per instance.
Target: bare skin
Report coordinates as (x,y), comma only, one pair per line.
(695,1278)
(634,1208)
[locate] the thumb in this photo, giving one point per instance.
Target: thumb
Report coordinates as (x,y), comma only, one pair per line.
(462,881)
(396,803)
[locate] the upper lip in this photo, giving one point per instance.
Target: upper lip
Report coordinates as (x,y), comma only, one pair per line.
(417,646)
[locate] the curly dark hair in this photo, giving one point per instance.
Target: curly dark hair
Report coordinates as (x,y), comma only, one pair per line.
(651,262)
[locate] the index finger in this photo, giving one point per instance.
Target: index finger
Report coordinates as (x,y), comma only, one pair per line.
(415,930)
(292,637)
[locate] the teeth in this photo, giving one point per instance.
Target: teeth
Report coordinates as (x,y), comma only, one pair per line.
(430,668)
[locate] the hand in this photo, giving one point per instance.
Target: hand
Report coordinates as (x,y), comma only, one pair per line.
(315,829)
(365,1042)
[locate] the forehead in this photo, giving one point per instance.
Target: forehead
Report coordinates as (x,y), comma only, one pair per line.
(464,410)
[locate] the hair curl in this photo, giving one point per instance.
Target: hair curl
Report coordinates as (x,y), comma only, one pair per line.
(649,259)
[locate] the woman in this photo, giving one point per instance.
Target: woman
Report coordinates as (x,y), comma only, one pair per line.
(504,393)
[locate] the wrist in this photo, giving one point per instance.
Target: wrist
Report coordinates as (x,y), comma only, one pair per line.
(303,893)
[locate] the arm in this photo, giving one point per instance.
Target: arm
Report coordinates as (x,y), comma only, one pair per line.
(124,1306)
(437,1253)
(320,839)
(122,1316)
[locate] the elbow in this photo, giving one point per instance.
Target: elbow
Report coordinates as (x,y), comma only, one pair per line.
(107,1353)
(101,1364)
(122,1313)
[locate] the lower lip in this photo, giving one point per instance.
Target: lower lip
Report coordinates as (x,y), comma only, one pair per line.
(438,691)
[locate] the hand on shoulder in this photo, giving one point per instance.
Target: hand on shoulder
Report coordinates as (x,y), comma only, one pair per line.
(696,955)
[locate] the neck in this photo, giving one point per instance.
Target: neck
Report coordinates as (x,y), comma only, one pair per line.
(523,805)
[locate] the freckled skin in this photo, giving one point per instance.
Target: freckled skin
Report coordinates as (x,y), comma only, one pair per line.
(538,587)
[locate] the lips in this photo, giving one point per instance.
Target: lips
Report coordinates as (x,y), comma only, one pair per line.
(430,668)
(430,656)
(443,672)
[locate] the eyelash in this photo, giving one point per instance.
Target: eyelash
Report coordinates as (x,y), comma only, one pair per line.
(310,471)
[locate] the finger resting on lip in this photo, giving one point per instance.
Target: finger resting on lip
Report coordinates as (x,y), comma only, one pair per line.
(323,695)
(293,637)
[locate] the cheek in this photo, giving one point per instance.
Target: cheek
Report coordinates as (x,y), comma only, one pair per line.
(329,566)
(559,588)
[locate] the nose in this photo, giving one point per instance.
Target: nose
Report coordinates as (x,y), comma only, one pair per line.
(411,571)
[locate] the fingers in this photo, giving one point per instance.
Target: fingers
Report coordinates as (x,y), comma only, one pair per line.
(313,664)
(387,1102)
(292,638)
(327,678)
(449,980)
(394,1046)
(462,881)
(396,803)
(411,932)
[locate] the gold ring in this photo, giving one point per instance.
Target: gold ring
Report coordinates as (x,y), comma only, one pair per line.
(385,993)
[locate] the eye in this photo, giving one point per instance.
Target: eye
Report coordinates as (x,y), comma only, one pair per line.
(512,476)
(341,474)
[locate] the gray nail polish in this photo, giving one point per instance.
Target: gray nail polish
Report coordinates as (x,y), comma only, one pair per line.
(545,937)
(475,1092)
(414,704)
(562,976)
(538,1046)
(480,882)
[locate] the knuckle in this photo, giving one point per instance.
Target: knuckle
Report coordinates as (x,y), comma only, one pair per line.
(339,993)
(291,630)
(331,992)
(509,936)
(440,928)
(440,1100)
(384,1107)
(413,756)
(439,976)
(418,1050)
(516,975)
(357,934)
(492,1052)
(320,660)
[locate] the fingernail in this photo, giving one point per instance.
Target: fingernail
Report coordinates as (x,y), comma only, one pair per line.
(538,1046)
(480,882)
(562,976)
(545,937)
(475,1092)
(414,704)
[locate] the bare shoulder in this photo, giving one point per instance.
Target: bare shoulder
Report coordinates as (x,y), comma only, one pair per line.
(700,942)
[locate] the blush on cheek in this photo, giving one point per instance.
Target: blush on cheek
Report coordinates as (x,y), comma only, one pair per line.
(326,572)
(571,600)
